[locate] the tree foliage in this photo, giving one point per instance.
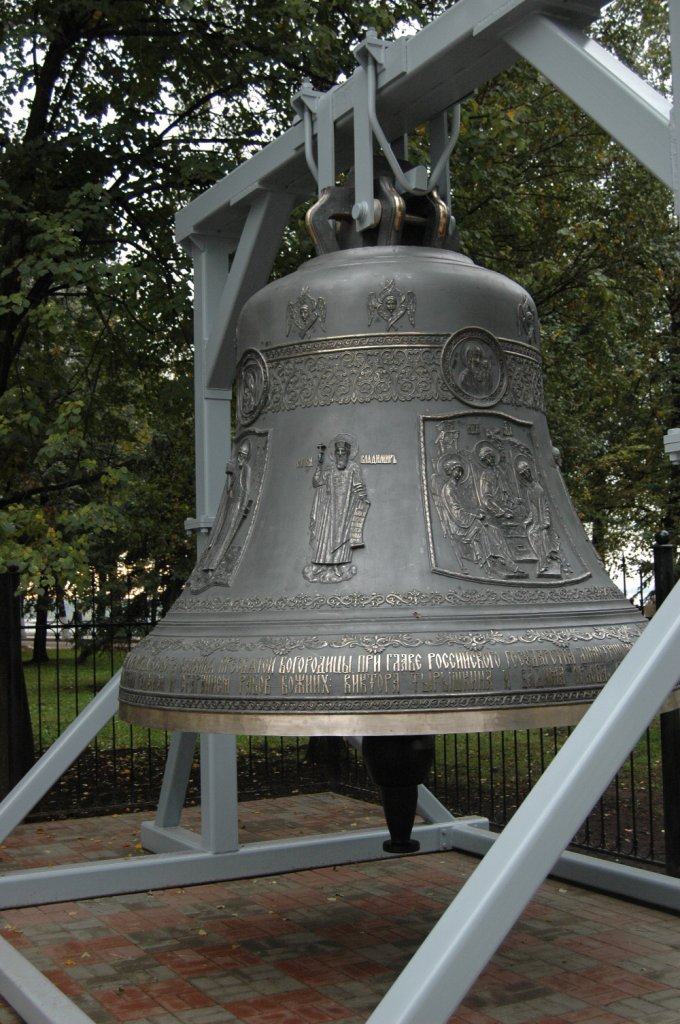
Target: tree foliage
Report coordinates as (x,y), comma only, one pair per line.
(114,115)
(545,196)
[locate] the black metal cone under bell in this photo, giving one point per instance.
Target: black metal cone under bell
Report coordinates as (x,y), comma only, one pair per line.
(398,765)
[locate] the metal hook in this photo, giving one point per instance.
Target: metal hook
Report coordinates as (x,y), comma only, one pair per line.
(305,103)
(416,181)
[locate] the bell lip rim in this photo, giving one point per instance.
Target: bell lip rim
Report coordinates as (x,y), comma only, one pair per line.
(345,724)
(379,723)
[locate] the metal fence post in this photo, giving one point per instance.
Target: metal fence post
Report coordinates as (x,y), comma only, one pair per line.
(669,721)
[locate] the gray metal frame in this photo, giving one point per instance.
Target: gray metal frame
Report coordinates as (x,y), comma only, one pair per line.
(233,231)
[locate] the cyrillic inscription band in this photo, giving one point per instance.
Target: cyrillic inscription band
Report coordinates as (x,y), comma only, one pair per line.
(402,674)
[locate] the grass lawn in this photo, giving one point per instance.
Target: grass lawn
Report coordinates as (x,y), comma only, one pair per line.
(59,689)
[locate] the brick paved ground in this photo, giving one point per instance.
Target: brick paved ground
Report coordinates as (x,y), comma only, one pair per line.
(323,946)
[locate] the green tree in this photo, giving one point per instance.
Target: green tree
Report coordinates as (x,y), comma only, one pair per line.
(545,196)
(113,115)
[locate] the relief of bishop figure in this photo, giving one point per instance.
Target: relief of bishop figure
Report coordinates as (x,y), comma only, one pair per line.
(339,510)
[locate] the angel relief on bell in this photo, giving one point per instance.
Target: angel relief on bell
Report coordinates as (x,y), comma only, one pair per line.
(306,314)
(235,514)
(391,305)
(490,517)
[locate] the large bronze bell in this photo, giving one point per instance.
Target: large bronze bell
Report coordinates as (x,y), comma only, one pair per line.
(395,552)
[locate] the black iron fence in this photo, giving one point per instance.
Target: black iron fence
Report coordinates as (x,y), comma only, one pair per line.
(72,655)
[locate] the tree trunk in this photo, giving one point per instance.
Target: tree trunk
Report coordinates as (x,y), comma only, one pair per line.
(16,734)
(599,538)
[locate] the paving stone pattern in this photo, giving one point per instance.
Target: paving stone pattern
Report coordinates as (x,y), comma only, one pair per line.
(325,945)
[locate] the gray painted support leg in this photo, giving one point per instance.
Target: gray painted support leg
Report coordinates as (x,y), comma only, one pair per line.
(219,798)
(175,779)
(165,833)
(620,101)
(449,961)
(430,809)
(212,405)
(28,991)
(674,15)
(219,794)
(250,269)
(59,757)
(473,836)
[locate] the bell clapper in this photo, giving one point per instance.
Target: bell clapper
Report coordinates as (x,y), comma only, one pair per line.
(398,765)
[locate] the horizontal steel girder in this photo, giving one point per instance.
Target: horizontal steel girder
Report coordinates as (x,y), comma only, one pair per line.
(421,75)
(418,77)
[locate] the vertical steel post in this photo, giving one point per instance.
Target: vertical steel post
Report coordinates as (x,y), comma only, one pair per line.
(213,405)
(5,683)
(674,18)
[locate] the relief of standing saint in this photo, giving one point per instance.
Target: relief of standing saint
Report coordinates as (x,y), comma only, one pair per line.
(234,506)
(538,522)
(338,512)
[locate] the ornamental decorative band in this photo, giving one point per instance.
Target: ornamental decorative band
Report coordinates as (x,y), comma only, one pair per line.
(347,705)
(347,371)
(374,643)
(411,599)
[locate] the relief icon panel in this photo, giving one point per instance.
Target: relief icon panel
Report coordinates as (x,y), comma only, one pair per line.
(488,513)
(236,513)
(339,508)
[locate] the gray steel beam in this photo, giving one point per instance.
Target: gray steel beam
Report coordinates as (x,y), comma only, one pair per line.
(213,405)
(37,886)
(219,793)
(258,246)
(674,15)
(419,77)
(430,809)
(175,780)
(626,106)
(607,876)
(58,757)
(31,994)
(219,797)
(454,954)
(422,75)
